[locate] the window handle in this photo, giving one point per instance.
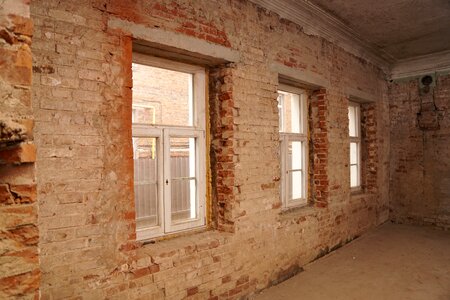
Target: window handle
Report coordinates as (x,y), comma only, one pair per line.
(167,181)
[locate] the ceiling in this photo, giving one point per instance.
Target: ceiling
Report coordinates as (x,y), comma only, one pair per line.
(403,29)
(403,37)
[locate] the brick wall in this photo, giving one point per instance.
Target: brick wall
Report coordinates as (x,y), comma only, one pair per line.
(420,154)
(82,105)
(369,147)
(19,266)
(222,111)
(320,150)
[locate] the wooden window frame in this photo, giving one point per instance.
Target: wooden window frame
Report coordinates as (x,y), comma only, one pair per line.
(163,133)
(285,138)
(357,140)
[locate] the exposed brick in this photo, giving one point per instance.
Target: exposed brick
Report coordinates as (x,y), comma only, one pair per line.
(24,153)
(19,233)
(192,291)
(243,279)
(82,94)
(369,147)
(319,140)
(22,25)
(419,153)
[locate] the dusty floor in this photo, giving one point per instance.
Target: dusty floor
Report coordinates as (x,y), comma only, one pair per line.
(392,262)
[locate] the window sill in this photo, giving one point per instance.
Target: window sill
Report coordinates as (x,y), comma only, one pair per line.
(356,191)
(174,235)
(196,239)
(298,211)
(359,192)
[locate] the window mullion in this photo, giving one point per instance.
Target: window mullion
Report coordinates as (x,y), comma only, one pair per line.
(355,121)
(358,161)
(286,181)
(166,181)
(283,165)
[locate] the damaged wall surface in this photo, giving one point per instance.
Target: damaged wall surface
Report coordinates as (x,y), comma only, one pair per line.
(68,226)
(420,151)
(82,106)
(19,264)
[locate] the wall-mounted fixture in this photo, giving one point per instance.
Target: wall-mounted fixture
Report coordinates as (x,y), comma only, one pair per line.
(427,117)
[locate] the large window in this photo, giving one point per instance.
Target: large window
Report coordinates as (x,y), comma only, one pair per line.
(293,126)
(168,117)
(354,131)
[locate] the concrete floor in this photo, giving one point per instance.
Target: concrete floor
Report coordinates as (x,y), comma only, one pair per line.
(391,262)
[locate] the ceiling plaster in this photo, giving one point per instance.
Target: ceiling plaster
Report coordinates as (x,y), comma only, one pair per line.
(403,37)
(402,28)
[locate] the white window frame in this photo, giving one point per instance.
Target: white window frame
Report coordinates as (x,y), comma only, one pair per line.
(163,133)
(285,138)
(357,140)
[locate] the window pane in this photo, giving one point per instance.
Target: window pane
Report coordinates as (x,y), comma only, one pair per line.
(295,155)
(145,182)
(352,121)
(290,111)
(183,196)
(353,153)
(295,188)
(354,176)
(183,181)
(162,96)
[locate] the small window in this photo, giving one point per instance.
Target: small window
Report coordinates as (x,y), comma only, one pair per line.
(293,128)
(168,120)
(354,130)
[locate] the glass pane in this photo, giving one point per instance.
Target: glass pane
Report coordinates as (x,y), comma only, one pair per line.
(353,153)
(295,188)
(183,179)
(290,111)
(145,182)
(354,176)
(183,200)
(295,155)
(162,96)
(352,121)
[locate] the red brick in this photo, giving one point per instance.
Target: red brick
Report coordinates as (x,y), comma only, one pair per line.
(192,291)
(24,153)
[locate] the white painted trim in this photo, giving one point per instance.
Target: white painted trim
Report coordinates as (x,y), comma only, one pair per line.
(200,99)
(284,142)
(356,139)
(158,229)
(303,77)
(171,227)
(175,40)
(317,22)
(421,65)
